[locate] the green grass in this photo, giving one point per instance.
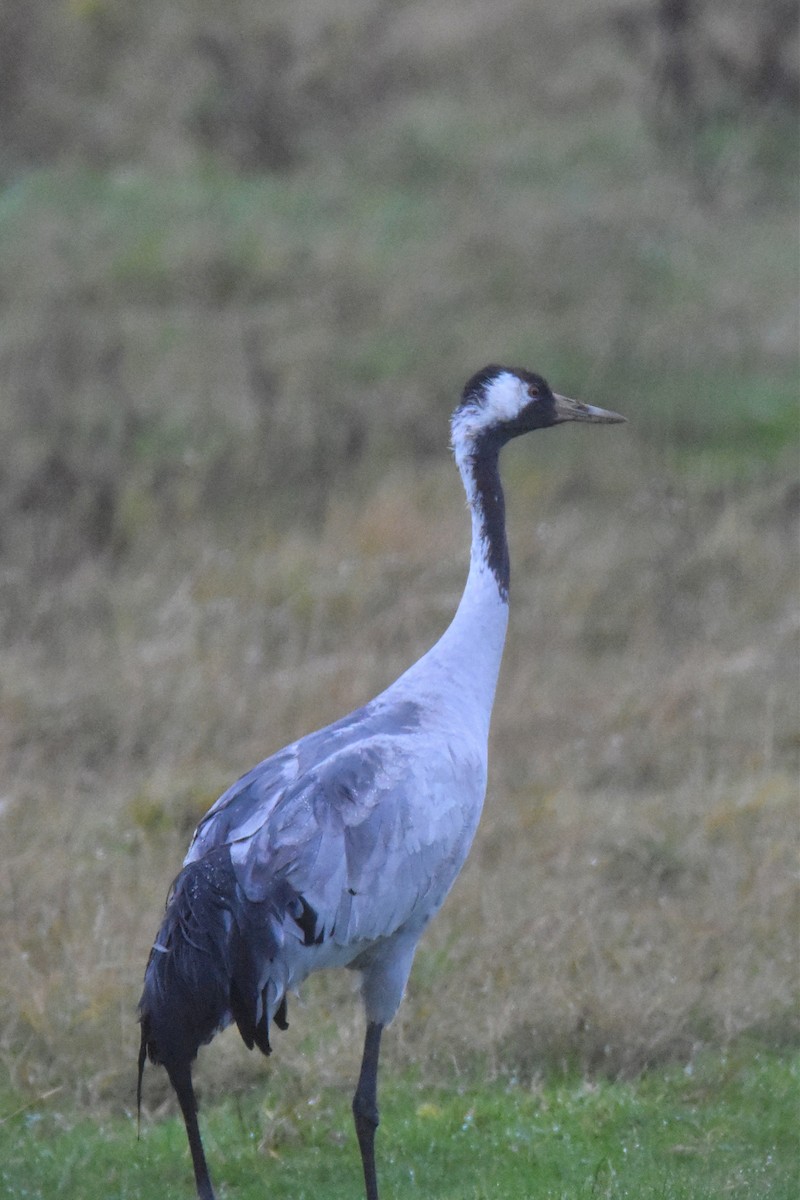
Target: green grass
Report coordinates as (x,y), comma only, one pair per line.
(726,1126)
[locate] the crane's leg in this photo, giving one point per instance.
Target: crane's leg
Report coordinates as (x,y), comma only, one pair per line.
(181,1079)
(365,1106)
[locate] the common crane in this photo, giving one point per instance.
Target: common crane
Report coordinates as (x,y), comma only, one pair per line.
(338,850)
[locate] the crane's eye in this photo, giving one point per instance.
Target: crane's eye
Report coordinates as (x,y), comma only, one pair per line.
(533,390)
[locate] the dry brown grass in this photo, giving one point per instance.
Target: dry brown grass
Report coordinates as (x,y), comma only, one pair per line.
(631,893)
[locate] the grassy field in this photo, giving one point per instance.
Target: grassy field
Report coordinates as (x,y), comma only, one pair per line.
(724,1128)
(224,391)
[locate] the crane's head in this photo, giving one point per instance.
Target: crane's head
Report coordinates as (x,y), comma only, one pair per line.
(500,403)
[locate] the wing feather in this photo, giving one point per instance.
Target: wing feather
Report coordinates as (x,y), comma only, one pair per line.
(372,839)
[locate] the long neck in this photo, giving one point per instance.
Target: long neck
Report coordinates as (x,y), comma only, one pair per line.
(464,664)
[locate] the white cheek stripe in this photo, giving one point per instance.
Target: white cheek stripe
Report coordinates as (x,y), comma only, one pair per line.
(504,398)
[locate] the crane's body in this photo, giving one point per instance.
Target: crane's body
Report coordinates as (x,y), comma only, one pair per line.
(338,850)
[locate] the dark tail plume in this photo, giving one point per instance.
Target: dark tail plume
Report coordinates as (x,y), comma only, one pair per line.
(186,996)
(186,987)
(217,958)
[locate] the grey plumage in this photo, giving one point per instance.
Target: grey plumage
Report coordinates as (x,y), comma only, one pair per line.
(338,850)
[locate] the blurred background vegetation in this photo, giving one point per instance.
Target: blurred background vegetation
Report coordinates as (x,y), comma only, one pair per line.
(248,255)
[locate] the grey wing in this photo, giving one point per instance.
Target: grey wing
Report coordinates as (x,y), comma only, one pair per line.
(248,804)
(372,838)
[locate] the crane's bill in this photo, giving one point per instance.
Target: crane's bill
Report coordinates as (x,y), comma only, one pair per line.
(574,410)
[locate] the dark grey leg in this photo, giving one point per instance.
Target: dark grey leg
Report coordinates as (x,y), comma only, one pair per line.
(365,1106)
(181,1078)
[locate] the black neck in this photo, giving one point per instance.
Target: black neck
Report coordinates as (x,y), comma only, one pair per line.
(489,504)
